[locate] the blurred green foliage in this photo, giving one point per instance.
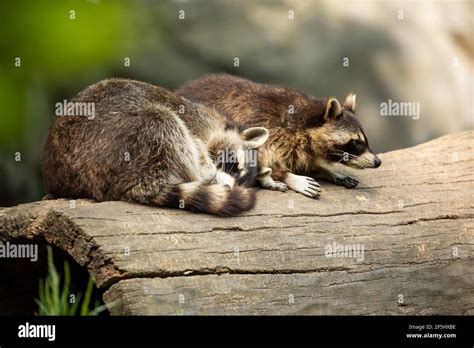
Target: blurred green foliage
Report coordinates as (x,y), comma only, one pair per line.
(48,50)
(55,40)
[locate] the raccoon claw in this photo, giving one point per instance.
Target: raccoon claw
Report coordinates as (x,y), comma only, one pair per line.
(313,189)
(312,181)
(312,194)
(347,182)
(304,185)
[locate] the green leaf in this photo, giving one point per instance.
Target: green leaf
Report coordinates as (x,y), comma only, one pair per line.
(98,309)
(75,305)
(87,297)
(65,292)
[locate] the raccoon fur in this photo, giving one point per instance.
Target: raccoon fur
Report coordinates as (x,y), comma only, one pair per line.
(150,146)
(307,135)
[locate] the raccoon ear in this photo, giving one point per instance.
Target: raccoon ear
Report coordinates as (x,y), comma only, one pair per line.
(350,103)
(255,137)
(333,109)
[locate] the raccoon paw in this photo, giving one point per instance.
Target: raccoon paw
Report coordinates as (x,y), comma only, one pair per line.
(268,183)
(347,181)
(279,186)
(304,185)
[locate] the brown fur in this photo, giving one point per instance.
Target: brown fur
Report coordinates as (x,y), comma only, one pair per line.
(308,140)
(167,139)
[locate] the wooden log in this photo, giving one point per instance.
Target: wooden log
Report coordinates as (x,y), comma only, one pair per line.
(410,223)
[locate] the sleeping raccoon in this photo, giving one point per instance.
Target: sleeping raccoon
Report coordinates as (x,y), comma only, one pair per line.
(144,144)
(307,135)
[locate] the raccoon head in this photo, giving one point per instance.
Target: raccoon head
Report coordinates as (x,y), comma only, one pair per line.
(235,152)
(343,137)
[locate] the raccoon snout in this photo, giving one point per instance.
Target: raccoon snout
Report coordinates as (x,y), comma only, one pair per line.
(377,162)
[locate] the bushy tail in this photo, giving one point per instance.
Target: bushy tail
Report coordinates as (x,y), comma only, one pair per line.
(213,199)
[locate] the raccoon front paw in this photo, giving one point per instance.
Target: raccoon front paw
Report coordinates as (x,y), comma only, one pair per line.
(347,181)
(279,186)
(304,185)
(266,181)
(274,185)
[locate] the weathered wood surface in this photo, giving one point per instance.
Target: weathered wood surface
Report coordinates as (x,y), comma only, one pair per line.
(414,216)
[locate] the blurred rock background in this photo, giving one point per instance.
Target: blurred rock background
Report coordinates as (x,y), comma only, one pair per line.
(417,51)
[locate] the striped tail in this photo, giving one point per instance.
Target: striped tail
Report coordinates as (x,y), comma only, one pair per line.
(213,199)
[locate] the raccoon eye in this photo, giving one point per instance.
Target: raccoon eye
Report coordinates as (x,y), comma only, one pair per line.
(355,147)
(354,143)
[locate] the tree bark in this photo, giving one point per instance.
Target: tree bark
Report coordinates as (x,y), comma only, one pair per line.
(413,217)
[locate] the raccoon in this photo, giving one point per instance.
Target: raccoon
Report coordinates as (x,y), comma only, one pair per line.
(307,135)
(150,146)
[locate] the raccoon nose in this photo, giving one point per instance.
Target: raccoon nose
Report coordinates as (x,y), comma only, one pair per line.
(377,162)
